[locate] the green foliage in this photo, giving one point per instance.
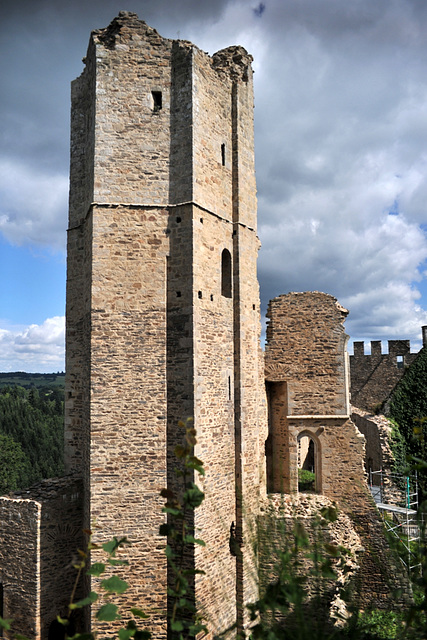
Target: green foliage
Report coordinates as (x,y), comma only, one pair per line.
(11,460)
(408,408)
(306,480)
(106,611)
(399,449)
(381,625)
(291,605)
(33,419)
(184,622)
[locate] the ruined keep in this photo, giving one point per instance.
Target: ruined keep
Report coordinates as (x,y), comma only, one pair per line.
(163,322)
(163,318)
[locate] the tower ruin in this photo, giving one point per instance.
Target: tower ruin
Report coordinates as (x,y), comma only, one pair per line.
(163,317)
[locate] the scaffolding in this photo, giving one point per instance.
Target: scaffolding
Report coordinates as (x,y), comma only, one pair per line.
(396,497)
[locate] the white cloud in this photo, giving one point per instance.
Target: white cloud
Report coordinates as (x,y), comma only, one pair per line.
(33,205)
(341,139)
(36,348)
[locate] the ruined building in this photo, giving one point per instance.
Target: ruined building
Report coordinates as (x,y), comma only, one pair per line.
(163,322)
(375,375)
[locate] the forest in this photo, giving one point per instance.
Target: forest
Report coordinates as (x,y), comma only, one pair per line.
(31,429)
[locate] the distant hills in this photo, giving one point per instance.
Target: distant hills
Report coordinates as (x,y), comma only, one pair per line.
(28,380)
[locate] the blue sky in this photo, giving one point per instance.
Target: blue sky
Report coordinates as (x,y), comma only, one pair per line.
(340,134)
(33,284)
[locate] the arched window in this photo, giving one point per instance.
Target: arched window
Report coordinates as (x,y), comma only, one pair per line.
(307,464)
(226,287)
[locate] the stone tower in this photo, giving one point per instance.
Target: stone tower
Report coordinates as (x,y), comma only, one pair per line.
(163,318)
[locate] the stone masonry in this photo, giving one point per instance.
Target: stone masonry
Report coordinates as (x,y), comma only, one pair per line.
(163,318)
(41,530)
(163,323)
(374,376)
(306,367)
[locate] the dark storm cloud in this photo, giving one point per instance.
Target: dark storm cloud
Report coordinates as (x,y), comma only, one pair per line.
(340,126)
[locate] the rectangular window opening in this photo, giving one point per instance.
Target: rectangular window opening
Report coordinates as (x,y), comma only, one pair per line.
(157,100)
(223,154)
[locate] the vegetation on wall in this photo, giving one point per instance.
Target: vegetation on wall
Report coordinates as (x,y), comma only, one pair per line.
(408,409)
(289,608)
(31,435)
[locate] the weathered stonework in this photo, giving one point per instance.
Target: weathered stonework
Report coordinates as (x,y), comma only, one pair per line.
(374,376)
(306,366)
(162,302)
(163,322)
(41,530)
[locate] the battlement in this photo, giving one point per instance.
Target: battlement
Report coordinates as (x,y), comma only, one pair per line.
(395,348)
(374,375)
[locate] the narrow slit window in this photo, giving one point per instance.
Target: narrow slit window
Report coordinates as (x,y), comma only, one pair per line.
(223,154)
(156,100)
(226,273)
(399,362)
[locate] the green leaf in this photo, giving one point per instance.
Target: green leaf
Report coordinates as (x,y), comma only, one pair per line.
(108,613)
(176,625)
(117,563)
(92,597)
(125,634)
(114,585)
(96,569)
(172,511)
(193,496)
(192,540)
(112,545)
(180,451)
(139,614)
(5,624)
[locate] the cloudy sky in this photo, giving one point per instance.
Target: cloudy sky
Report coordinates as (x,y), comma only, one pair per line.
(341,144)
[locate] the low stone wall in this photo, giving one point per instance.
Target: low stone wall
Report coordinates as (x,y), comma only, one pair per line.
(379,456)
(40,532)
(369,572)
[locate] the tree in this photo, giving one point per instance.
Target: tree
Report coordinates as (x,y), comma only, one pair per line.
(11,460)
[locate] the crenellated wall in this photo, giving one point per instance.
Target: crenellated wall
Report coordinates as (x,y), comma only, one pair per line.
(374,375)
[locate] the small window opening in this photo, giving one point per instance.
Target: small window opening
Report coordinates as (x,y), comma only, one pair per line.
(253,307)
(306,465)
(157,100)
(178,294)
(178,219)
(226,273)
(399,362)
(201,220)
(211,298)
(229,387)
(200,294)
(223,154)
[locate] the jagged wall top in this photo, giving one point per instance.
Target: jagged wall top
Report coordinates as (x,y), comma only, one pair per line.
(234,61)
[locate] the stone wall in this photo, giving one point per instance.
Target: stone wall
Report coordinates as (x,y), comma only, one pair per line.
(307,377)
(40,534)
(374,376)
(163,316)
